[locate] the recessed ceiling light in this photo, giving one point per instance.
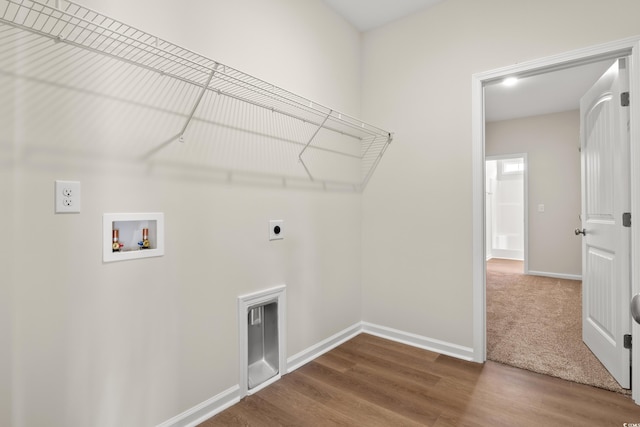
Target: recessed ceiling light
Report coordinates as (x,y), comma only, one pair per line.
(510,81)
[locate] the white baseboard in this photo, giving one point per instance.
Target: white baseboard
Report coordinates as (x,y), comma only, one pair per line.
(306,356)
(507,254)
(555,275)
(506,257)
(231,396)
(205,410)
(431,344)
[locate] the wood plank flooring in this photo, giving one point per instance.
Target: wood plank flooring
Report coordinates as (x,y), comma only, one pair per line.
(370,381)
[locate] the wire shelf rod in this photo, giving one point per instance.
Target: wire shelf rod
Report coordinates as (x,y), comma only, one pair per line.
(144,43)
(185,79)
(241,98)
(99,32)
(279,111)
(194,75)
(190,81)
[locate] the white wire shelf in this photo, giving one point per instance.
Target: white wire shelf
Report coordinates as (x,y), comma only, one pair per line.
(62,22)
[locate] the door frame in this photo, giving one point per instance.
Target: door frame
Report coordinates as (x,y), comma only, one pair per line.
(625,47)
(525,204)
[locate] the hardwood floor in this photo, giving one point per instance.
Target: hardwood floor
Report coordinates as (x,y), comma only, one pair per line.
(370,381)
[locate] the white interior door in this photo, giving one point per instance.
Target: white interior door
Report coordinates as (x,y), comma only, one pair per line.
(606,285)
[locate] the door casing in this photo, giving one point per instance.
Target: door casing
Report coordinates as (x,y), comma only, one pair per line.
(612,50)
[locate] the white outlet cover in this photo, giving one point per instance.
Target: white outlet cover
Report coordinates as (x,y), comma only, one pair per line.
(67,196)
(273,235)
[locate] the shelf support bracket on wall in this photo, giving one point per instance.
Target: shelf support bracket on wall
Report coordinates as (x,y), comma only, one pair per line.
(309,143)
(197,103)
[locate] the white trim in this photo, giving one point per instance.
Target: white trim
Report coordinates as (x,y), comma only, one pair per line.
(414,340)
(505,257)
(512,254)
(613,49)
(205,410)
(603,51)
(478,221)
(245,302)
(555,275)
(634,156)
(317,350)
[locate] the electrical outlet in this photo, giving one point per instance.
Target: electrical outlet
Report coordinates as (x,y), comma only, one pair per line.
(67,196)
(276,229)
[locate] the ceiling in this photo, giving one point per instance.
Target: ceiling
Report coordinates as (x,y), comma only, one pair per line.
(369,14)
(546,93)
(551,92)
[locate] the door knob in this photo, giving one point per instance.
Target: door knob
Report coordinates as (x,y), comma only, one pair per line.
(579,232)
(635,308)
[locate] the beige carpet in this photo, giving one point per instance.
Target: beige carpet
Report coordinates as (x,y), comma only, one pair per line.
(535,323)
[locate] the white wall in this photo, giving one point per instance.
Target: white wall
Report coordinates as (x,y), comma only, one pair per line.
(551,142)
(138,342)
(417,277)
(135,343)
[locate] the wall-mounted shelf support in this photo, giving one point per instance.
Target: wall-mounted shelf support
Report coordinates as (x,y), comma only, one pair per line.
(309,142)
(196,104)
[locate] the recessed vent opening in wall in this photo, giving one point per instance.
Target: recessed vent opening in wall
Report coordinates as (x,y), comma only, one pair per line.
(261,318)
(262,344)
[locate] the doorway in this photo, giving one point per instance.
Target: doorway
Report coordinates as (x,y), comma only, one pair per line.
(529,339)
(610,50)
(506,207)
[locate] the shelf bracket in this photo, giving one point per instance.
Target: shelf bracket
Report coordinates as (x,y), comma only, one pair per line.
(310,141)
(197,103)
